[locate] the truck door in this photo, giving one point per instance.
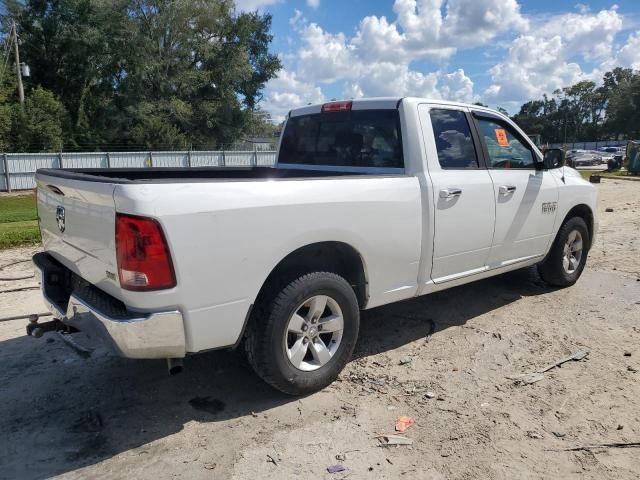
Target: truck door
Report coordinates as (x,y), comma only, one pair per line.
(463,198)
(526,198)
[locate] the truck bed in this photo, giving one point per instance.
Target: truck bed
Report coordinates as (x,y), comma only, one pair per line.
(181,174)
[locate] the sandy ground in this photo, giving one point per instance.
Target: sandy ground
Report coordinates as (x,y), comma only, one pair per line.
(105,417)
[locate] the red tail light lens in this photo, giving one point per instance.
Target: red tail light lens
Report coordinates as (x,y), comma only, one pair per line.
(144,262)
(337,106)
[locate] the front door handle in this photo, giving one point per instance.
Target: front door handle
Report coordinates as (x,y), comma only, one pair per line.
(506,189)
(450,192)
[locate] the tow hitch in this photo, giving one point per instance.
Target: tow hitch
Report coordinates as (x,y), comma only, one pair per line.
(35,329)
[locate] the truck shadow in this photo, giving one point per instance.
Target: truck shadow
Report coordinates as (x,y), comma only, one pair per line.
(61,412)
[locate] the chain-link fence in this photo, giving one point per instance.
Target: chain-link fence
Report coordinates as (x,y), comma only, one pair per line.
(17,169)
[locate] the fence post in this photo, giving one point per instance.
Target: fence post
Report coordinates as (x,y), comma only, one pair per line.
(6,171)
(60,160)
(108,160)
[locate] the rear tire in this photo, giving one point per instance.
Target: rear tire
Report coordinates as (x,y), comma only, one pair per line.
(302,337)
(564,264)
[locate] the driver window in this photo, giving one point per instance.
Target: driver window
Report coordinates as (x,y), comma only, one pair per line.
(505,150)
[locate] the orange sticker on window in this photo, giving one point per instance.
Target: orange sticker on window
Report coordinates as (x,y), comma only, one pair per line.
(501,137)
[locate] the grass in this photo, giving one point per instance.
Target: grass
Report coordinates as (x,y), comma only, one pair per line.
(18,221)
(603,173)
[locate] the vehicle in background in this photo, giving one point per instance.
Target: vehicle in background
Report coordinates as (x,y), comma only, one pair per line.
(583,158)
(613,157)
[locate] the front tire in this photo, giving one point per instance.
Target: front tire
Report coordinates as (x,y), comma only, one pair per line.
(301,339)
(564,264)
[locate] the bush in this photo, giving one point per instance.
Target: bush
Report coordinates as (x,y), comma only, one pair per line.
(39,125)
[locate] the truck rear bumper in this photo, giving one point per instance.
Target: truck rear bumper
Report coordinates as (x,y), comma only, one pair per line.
(83,306)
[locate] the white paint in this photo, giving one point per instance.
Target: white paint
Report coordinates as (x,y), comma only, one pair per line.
(226,237)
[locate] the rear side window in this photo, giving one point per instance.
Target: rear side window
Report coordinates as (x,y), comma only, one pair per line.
(356,138)
(505,148)
(453,139)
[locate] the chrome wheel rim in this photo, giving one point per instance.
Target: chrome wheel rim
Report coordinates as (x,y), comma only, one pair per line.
(572,253)
(314,333)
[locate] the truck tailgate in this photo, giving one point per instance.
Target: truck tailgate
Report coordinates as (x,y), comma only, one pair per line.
(77,222)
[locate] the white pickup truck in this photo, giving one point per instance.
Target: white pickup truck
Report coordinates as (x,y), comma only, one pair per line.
(371,202)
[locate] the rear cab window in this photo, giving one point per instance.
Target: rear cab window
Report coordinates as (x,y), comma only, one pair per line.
(454,141)
(356,140)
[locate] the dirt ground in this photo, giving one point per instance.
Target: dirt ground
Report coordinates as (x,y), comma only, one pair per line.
(448,360)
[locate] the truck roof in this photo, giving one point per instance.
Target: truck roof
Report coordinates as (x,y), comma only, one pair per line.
(382,103)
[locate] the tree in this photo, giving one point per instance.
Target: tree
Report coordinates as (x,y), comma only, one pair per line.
(39,127)
(164,73)
(623,109)
(6,111)
(585,111)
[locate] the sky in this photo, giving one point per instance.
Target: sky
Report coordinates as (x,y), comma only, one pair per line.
(500,52)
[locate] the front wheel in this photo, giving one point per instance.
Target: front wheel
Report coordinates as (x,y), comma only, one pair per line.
(568,255)
(300,341)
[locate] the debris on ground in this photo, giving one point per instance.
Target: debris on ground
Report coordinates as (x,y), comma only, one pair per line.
(533,377)
(601,445)
(405,361)
(336,468)
(341,457)
(391,440)
(430,395)
(404,423)
(608,210)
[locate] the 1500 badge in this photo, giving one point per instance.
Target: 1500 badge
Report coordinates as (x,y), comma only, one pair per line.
(549,207)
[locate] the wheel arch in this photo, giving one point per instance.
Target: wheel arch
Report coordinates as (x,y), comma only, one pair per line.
(330,256)
(583,211)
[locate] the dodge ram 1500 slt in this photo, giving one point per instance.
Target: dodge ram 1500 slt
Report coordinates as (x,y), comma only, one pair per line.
(371,201)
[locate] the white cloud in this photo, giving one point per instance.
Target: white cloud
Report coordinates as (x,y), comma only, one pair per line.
(297,17)
(324,57)
(582,8)
(457,86)
(286,92)
(587,34)
(629,55)
(313,3)
(547,57)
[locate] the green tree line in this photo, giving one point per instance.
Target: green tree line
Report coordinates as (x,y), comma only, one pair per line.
(586,111)
(126,74)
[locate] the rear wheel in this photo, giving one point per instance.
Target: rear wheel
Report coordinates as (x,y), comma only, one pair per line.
(568,255)
(302,338)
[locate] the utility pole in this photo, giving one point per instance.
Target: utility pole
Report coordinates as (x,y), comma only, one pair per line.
(16,50)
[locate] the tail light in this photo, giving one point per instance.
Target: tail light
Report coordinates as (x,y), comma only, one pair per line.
(337,106)
(144,262)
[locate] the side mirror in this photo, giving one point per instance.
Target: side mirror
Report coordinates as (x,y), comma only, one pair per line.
(553,158)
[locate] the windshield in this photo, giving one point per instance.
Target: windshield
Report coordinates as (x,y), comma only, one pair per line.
(358,138)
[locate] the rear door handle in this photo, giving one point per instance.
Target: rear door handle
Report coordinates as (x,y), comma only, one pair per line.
(506,189)
(450,192)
